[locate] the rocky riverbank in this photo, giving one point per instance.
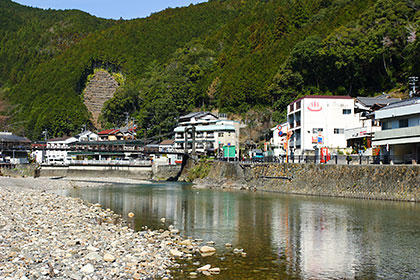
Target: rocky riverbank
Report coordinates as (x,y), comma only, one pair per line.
(44,236)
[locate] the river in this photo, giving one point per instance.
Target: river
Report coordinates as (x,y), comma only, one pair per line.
(284,236)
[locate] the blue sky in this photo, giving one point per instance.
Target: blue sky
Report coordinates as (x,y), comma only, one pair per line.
(127,9)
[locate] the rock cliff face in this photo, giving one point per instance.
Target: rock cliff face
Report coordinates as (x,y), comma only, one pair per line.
(100,89)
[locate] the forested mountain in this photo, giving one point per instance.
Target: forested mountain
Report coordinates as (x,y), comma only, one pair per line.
(232,55)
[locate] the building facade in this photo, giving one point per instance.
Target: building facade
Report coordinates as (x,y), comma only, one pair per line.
(205,133)
(13,148)
(399,139)
(279,138)
(320,121)
(360,138)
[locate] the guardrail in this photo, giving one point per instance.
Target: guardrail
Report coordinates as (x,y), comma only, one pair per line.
(101,163)
(332,159)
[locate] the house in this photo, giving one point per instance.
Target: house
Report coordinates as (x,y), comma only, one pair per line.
(360,138)
(167,152)
(56,150)
(13,148)
(399,139)
(205,133)
(279,138)
(317,121)
(114,134)
(110,135)
(87,136)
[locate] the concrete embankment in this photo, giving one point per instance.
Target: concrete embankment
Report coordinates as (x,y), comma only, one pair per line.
(155,172)
(388,182)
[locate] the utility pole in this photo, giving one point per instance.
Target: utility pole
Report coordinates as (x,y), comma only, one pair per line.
(412,83)
(126,118)
(193,141)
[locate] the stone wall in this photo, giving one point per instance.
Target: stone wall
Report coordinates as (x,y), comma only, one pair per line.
(23,170)
(100,89)
(389,182)
(165,172)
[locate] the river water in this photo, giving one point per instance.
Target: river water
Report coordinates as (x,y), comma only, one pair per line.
(284,236)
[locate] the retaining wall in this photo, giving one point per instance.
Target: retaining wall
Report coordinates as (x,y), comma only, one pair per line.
(389,182)
(133,172)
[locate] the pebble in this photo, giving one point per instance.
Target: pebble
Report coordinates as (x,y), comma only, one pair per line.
(109,257)
(87,269)
(204,268)
(207,249)
(214,270)
(52,236)
(176,253)
(186,242)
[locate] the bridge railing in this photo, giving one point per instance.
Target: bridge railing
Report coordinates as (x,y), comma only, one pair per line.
(112,162)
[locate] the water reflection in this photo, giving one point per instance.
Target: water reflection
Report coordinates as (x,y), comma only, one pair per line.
(287,237)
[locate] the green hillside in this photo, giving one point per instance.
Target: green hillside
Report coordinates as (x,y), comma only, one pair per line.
(232,55)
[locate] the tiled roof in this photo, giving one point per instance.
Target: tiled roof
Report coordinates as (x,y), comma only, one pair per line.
(109,131)
(9,137)
(402,103)
(195,115)
(370,101)
(167,142)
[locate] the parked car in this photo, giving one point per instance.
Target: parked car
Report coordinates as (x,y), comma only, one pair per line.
(258,157)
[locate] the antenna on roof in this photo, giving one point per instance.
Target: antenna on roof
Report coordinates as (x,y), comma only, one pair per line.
(412,83)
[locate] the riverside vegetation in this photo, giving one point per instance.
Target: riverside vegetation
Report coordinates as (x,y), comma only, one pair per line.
(232,56)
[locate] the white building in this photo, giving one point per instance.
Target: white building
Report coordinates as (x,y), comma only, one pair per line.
(212,135)
(56,149)
(320,121)
(279,138)
(399,140)
(360,138)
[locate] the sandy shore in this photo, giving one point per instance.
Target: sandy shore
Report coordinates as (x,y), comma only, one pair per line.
(44,236)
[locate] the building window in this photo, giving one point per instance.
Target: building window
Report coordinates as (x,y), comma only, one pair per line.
(386,125)
(403,123)
(338,130)
(317,130)
(346,111)
(221,134)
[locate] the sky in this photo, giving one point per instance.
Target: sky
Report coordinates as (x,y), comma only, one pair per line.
(127,9)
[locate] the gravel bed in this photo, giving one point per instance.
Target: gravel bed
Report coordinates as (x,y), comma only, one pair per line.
(45,236)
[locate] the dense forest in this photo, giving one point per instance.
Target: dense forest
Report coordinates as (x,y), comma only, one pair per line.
(234,56)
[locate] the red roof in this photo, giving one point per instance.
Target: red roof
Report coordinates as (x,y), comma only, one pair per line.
(109,132)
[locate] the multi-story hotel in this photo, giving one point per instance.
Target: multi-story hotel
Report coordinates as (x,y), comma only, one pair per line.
(320,121)
(219,137)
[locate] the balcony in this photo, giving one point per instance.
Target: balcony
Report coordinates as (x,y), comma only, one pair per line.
(360,132)
(397,136)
